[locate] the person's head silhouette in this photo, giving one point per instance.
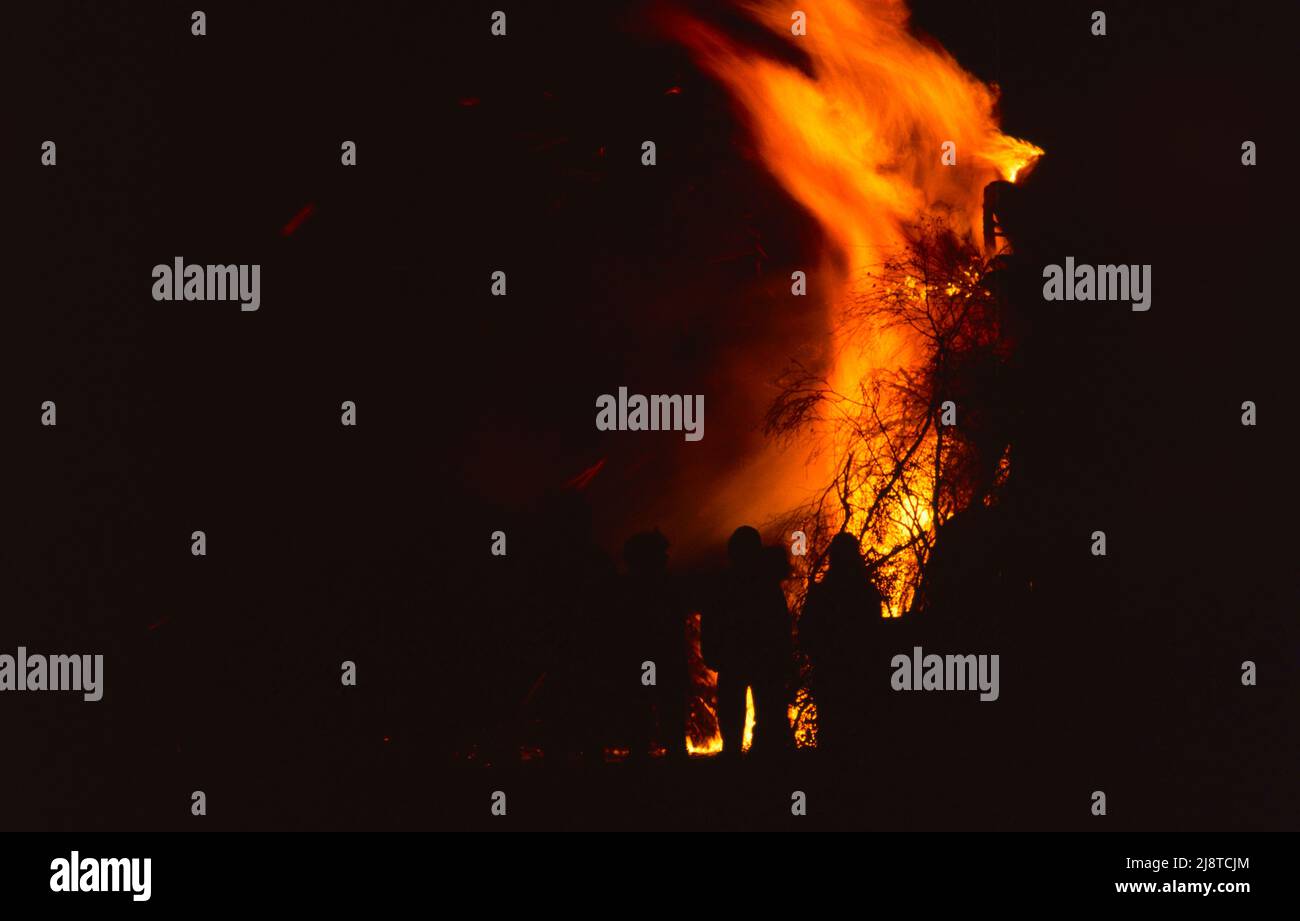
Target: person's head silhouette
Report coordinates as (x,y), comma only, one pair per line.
(845,554)
(745,548)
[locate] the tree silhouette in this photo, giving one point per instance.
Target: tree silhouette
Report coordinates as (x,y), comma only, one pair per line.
(900,471)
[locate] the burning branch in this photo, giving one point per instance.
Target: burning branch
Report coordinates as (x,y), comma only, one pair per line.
(900,471)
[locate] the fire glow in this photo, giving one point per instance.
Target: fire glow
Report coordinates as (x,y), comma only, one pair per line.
(858,142)
(856,137)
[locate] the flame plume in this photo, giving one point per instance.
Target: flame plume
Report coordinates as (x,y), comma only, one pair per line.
(857,138)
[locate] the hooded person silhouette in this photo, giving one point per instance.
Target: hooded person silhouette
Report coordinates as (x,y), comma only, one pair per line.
(746,639)
(841,623)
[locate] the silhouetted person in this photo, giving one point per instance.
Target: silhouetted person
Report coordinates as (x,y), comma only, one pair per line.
(964,587)
(840,631)
(654,619)
(745,638)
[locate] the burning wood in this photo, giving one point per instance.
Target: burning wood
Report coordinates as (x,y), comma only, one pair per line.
(878,131)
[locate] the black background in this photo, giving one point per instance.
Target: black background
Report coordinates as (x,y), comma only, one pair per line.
(328,543)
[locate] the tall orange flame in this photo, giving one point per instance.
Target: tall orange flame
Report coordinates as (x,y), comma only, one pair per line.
(858,138)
